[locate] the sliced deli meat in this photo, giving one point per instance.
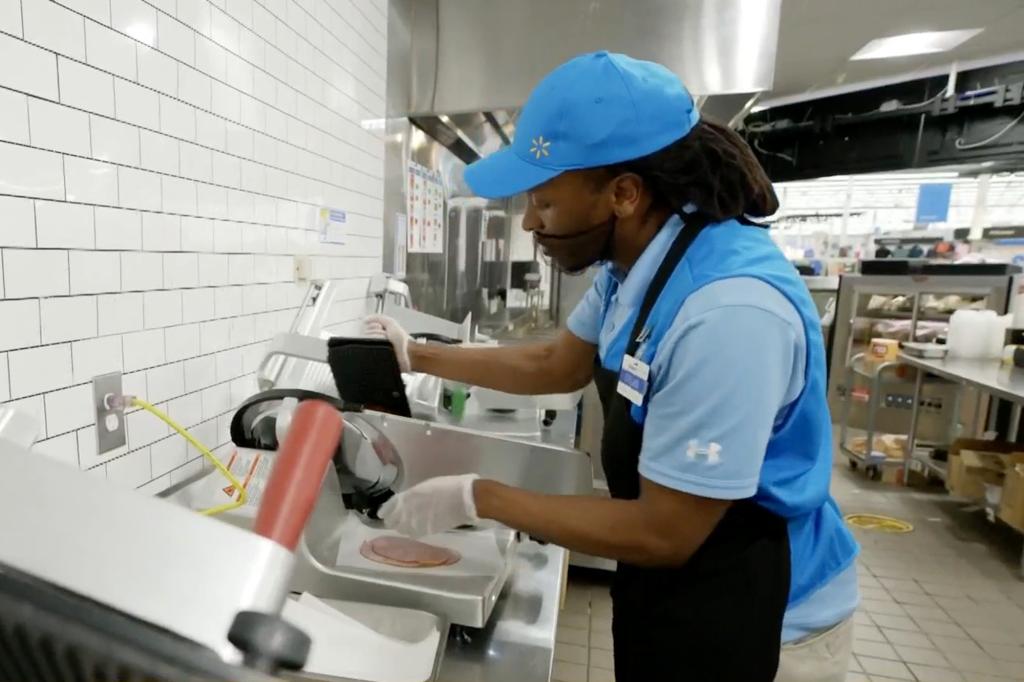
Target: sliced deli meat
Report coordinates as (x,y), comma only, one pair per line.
(407,553)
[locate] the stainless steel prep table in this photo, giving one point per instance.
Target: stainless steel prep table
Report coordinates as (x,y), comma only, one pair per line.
(986,376)
(991,376)
(518,643)
(518,425)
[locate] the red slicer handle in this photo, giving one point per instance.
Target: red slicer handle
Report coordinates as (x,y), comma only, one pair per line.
(302,461)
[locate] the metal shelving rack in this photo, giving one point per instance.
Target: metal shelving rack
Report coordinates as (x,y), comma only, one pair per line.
(877,378)
(879,400)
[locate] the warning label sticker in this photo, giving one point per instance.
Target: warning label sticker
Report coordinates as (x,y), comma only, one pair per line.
(250,467)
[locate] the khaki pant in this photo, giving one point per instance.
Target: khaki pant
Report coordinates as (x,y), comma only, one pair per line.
(822,657)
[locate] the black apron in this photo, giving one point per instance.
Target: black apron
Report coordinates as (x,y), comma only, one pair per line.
(718,618)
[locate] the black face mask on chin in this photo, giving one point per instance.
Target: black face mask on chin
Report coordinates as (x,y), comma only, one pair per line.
(574,253)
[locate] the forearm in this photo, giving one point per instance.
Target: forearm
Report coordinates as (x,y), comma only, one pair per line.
(525,369)
(623,530)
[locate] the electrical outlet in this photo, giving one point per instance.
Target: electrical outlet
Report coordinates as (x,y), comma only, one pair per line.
(303,268)
(110,431)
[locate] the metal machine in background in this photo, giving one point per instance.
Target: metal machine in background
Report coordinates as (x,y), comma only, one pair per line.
(477,271)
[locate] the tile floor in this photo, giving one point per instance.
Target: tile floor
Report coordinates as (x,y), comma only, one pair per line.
(941,604)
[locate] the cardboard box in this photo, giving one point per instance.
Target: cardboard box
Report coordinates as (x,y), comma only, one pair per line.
(967,474)
(989,461)
(996,446)
(958,483)
(883,350)
(1011,507)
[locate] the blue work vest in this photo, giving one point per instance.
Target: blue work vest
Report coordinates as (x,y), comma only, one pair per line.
(797,466)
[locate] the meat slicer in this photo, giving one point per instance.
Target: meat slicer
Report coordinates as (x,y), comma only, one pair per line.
(380,454)
(97,582)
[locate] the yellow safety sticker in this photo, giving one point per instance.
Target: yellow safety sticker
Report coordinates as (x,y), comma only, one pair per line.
(885,524)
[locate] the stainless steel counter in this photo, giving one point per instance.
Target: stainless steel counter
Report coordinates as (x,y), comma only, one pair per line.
(990,376)
(518,643)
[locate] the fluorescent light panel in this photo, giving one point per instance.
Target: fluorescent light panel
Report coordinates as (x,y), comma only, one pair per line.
(928,42)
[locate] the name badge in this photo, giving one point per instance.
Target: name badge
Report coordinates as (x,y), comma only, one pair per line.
(633,379)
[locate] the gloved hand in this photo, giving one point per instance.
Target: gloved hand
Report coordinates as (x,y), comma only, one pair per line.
(433,506)
(383,327)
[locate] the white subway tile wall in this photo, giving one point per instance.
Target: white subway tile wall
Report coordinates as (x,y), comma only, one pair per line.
(161,165)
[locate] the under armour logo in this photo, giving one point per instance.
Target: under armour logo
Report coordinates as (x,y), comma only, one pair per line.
(540,147)
(712,453)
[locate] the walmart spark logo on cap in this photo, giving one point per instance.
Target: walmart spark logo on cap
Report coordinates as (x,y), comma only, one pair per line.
(540,147)
(596,109)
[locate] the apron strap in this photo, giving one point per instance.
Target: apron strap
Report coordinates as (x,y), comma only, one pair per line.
(687,234)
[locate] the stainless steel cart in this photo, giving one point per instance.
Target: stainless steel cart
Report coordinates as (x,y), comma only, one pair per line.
(880,400)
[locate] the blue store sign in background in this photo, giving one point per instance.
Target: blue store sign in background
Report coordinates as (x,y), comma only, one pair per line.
(933,202)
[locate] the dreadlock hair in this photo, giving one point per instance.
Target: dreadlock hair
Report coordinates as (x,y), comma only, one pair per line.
(712,167)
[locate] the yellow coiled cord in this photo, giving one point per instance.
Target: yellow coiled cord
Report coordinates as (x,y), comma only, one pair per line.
(243,496)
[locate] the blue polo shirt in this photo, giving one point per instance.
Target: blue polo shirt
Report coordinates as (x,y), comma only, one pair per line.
(706,396)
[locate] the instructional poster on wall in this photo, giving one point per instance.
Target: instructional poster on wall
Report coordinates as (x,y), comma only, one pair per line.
(425,198)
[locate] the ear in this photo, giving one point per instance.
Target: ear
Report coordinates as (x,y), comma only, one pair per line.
(627,191)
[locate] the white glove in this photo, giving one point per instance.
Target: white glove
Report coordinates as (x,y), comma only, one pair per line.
(383,327)
(433,506)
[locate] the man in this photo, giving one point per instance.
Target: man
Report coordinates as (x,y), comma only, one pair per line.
(707,352)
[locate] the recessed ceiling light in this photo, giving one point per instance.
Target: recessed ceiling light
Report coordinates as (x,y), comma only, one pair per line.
(928,42)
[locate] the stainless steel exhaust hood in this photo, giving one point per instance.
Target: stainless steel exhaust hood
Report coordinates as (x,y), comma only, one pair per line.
(486,55)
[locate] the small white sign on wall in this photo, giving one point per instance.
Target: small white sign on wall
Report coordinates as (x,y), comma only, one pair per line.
(331,225)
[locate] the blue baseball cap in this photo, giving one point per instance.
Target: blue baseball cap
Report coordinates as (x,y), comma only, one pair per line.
(596,109)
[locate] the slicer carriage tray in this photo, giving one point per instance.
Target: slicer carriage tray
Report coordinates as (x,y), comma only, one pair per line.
(464,593)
